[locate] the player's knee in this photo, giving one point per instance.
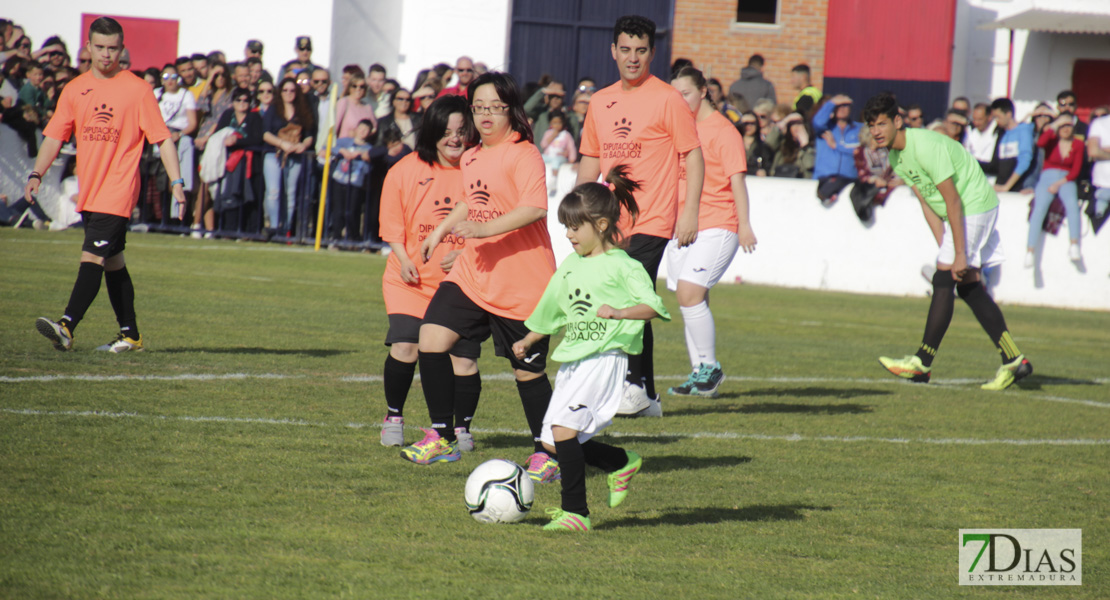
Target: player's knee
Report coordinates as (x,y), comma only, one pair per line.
(965,290)
(943,280)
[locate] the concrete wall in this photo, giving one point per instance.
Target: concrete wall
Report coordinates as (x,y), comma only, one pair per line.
(804,245)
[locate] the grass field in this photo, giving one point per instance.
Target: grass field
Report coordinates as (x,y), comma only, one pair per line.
(239,458)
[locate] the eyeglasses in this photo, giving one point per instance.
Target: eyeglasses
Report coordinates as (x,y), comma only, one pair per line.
(168,76)
(302,82)
(56,53)
(358,86)
(465,70)
(1071,104)
(496,109)
(319,81)
(241,100)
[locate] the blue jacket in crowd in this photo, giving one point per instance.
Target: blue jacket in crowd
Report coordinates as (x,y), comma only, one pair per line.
(840,160)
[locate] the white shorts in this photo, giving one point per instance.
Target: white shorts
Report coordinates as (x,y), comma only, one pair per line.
(587,394)
(984,247)
(704,262)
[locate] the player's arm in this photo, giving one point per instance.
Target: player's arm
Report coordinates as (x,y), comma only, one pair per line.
(1095,150)
(516,218)
(936,225)
(955,207)
(409,272)
(173,168)
(740,198)
(456,216)
(639,312)
(521,347)
(688,221)
(48,151)
(589,169)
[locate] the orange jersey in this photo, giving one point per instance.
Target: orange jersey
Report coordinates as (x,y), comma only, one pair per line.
(647,129)
(110,118)
(505,274)
(722,147)
(416,196)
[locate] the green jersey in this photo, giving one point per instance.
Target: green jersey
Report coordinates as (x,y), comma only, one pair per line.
(578,288)
(929,158)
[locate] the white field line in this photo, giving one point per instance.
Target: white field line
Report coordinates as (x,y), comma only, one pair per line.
(937,384)
(684,435)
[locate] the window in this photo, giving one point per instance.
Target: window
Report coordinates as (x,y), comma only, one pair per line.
(764,12)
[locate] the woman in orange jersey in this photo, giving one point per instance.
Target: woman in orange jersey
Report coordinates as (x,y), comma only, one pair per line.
(722,227)
(499,278)
(419,191)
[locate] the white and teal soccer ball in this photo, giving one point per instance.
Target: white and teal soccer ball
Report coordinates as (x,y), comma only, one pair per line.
(499,491)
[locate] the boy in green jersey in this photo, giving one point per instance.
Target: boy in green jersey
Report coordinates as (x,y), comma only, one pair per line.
(961,208)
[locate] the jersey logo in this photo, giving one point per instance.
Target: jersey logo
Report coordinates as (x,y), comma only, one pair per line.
(86,91)
(101,243)
(700,270)
(622,128)
(479,192)
(532,358)
(443,207)
(578,304)
(611,104)
(577,408)
(103,114)
(426,181)
(472,159)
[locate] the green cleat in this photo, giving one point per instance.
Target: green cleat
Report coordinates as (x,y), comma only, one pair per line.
(618,480)
(1009,374)
(562,520)
(909,367)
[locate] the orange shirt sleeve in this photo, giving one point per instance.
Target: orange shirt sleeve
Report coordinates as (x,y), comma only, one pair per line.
(61,125)
(589,145)
(728,152)
(151,121)
(681,123)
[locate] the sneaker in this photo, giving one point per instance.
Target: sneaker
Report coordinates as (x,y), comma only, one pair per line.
(1028,264)
(1009,374)
(1073,253)
(465,438)
(562,520)
(618,480)
(633,400)
(708,380)
(542,468)
(55,332)
(688,388)
(393,431)
(122,343)
(909,367)
(432,449)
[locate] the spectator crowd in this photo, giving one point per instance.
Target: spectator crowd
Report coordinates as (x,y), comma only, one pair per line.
(254,154)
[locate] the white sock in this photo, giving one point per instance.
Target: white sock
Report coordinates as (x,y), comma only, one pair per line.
(701,332)
(691,347)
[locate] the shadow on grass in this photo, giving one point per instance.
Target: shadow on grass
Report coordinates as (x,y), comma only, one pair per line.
(809,392)
(662,464)
(318,353)
(1037,382)
(712,515)
(774,408)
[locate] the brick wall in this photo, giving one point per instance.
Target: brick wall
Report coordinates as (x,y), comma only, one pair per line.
(704,33)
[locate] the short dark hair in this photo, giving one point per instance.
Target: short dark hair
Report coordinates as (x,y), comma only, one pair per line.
(1003,104)
(878,105)
(679,64)
(198,56)
(635,26)
(1066,94)
(254,60)
(50,41)
(182,60)
(377,68)
(800,68)
(964,99)
(982,106)
(509,93)
(106,26)
(756,60)
(914,106)
(241,91)
(434,125)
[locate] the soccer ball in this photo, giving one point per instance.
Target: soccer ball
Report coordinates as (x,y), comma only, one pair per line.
(499,491)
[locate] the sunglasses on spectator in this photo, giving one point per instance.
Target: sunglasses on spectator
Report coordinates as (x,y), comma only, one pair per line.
(316,81)
(496,109)
(465,70)
(242,99)
(56,53)
(1071,104)
(402,99)
(169,76)
(302,82)
(358,86)
(587,88)
(266,91)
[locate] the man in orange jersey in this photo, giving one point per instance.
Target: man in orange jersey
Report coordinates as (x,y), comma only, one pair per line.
(110,111)
(642,122)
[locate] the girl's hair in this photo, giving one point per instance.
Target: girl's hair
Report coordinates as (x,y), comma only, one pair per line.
(591,202)
(301,111)
(507,92)
(697,78)
(434,125)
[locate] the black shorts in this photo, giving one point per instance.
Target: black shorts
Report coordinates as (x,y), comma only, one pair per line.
(405,329)
(451,308)
(648,249)
(105,235)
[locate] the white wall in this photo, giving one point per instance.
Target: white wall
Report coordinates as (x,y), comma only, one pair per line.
(435,31)
(205,25)
(802,244)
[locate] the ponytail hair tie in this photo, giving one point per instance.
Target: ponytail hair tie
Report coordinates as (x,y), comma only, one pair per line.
(609,184)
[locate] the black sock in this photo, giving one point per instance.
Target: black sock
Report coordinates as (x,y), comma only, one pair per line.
(122,294)
(84,292)
(468,388)
(603,456)
(940,316)
(438,380)
(535,395)
(397,378)
(572,468)
(641,370)
(990,317)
